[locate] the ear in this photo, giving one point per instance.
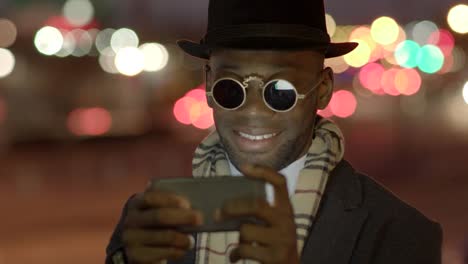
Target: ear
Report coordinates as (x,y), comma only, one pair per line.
(325,90)
(208,84)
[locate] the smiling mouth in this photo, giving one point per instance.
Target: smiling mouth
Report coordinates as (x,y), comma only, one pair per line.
(255,142)
(256,137)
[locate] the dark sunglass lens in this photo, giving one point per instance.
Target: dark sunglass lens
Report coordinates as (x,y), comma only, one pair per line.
(228,93)
(280,95)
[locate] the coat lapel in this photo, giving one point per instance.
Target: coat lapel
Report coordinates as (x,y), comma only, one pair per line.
(339,221)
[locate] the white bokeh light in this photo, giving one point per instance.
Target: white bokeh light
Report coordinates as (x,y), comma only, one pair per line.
(68,46)
(156,56)
(465,92)
(78,12)
(103,39)
(7,62)
(84,42)
(48,40)
(107,61)
(130,61)
(423,30)
(124,38)
(457,18)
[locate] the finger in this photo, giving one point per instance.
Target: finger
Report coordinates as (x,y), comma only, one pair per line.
(244,207)
(163,217)
(245,251)
(153,254)
(271,176)
(261,235)
(160,199)
(161,238)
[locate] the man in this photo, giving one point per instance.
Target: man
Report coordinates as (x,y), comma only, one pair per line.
(265,81)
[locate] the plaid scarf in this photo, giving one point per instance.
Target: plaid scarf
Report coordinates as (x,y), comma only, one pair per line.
(327,150)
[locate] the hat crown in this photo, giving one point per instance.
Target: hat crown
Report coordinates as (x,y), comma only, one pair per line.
(266,24)
(225,13)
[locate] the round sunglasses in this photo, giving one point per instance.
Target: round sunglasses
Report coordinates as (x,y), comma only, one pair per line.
(279,95)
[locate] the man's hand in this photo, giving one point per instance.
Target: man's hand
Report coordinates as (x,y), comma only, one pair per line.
(150,234)
(274,242)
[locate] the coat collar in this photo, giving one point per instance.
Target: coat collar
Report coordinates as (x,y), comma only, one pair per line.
(339,221)
(345,186)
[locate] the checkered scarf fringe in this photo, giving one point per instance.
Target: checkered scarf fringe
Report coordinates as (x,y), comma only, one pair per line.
(210,160)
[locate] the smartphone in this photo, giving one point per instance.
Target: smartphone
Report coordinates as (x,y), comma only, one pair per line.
(209,194)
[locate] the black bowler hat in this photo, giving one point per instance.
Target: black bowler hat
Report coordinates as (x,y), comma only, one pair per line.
(266,24)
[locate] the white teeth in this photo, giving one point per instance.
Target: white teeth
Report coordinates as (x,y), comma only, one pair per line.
(252,137)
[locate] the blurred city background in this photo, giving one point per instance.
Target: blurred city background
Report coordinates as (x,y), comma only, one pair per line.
(96,99)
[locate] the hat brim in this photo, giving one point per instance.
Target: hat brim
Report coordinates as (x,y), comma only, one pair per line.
(333,50)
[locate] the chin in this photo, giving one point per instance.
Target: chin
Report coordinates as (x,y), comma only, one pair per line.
(263,159)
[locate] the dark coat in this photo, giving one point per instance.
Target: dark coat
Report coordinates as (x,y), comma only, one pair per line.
(359,222)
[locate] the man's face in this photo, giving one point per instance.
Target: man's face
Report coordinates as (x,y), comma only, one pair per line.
(293,129)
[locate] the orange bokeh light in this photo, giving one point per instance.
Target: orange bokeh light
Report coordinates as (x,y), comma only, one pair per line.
(408,81)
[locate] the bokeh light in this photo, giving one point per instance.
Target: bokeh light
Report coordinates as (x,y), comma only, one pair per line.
(457,18)
(192,109)
(338,64)
(182,109)
(423,30)
(459,59)
(444,40)
(89,121)
(388,82)
(406,54)
(363,33)
(430,59)
(343,104)
(68,46)
(48,40)
(331,25)
(390,48)
(204,120)
(130,61)
(384,30)
(198,93)
(360,56)
(407,81)
(8,33)
(78,12)
(107,61)
(103,39)
(465,92)
(7,62)
(325,112)
(84,42)
(124,38)
(370,76)
(342,33)
(156,56)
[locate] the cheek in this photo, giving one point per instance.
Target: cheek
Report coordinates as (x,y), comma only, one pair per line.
(300,121)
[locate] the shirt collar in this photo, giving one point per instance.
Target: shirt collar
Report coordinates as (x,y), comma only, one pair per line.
(291,172)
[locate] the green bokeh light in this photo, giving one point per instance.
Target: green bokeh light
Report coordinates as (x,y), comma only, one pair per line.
(406,54)
(430,59)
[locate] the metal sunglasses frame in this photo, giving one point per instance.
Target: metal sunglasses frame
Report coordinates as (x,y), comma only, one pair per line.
(245,84)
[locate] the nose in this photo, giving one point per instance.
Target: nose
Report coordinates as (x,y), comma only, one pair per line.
(254,104)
